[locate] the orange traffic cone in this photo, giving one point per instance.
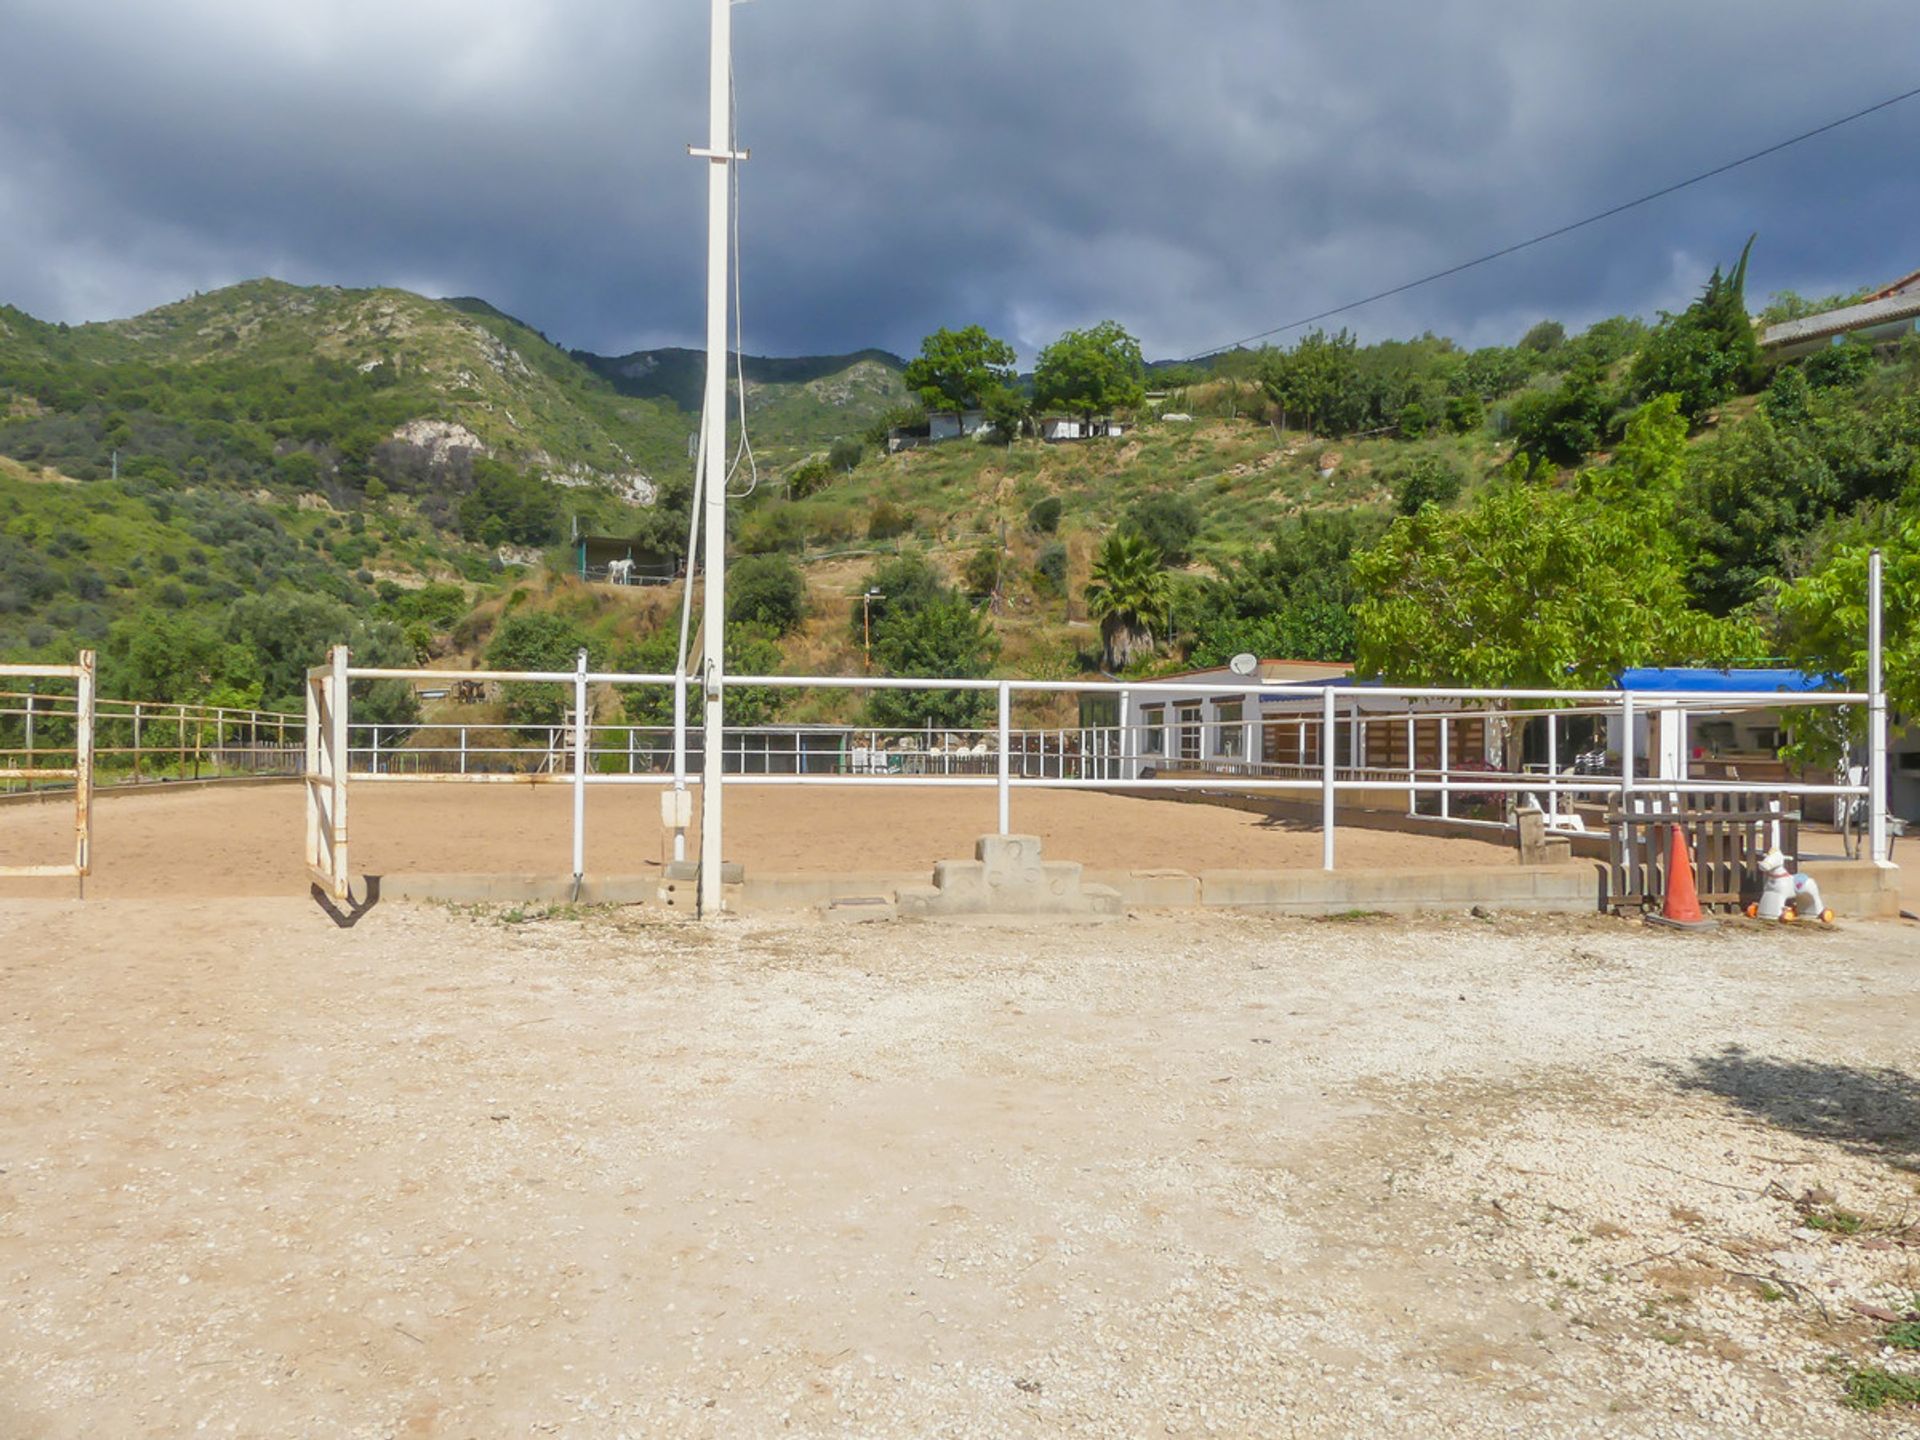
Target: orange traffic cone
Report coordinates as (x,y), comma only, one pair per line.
(1681,908)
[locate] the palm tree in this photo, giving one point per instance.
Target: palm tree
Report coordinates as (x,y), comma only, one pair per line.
(1128,594)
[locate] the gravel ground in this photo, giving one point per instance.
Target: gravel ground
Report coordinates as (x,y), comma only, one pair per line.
(459,1173)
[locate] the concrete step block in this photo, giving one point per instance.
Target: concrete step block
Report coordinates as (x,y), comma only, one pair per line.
(960,879)
(915,900)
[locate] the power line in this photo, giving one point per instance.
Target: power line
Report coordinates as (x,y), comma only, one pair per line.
(1554,234)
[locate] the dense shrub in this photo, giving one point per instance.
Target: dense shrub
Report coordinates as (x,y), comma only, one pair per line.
(1050,569)
(1044,516)
(888,521)
(766,590)
(536,640)
(1168,522)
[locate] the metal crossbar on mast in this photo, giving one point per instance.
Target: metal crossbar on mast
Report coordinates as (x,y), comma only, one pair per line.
(720,156)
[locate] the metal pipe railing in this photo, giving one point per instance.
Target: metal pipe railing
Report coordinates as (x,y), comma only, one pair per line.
(1188,752)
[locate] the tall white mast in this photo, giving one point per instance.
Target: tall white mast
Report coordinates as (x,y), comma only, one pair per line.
(720,157)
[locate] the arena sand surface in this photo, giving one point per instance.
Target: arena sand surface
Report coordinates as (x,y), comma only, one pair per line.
(455,1173)
(247,839)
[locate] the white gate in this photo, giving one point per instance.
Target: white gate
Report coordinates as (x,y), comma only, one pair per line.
(326,775)
(22,763)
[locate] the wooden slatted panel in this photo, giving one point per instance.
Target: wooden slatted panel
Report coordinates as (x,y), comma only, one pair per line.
(1727,832)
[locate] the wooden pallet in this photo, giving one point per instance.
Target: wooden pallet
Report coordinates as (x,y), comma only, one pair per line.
(1728,832)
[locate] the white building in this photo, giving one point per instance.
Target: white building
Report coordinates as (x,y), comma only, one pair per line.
(1273,725)
(1078,427)
(957,424)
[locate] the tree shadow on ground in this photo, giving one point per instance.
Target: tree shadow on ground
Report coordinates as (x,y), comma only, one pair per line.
(1874,1112)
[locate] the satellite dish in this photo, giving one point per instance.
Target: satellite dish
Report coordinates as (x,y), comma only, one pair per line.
(1244,663)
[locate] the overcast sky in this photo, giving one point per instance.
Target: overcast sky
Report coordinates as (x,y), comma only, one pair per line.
(1197,171)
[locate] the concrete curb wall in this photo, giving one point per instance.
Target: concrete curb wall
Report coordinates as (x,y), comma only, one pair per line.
(1856,891)
(1547,888)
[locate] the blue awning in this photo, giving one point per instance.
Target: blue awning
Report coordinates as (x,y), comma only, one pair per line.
(1722,682)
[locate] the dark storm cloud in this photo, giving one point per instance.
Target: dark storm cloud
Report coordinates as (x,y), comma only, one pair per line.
(1199,172)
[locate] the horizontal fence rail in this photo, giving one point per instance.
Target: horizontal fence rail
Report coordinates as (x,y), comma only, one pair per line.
(140,741)
(1456,752)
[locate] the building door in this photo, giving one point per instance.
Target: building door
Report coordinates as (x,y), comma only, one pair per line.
(1190,733)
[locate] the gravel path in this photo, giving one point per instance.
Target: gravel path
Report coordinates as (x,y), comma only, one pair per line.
(463,1174)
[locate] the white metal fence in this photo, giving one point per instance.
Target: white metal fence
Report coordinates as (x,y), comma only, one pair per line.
(1007,758)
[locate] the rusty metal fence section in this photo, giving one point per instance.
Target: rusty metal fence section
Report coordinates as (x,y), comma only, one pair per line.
(65,719)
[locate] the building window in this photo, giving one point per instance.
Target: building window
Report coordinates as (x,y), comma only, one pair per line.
(1230,735)
(1153,731)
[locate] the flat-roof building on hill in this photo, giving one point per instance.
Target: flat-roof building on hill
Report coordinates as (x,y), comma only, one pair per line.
(1883,317)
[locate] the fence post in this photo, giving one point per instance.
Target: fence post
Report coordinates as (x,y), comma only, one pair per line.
(1626,746)
(463,748)
(680,753)
(342,763)
(28,764)
(1327,723)
(136,742)
(1876,713)
(1446,770)
(1006,716)
(579,770)
(311,773)
(373,762)
(83,769)
(1413,779)
(1553,767)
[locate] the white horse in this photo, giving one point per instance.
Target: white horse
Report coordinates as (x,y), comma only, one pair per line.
(620,572)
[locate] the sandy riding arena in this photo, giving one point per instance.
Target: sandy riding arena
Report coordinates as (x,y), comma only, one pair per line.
(246,840)
(453,1173)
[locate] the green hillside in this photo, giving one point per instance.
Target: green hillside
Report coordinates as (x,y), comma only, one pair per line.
(403,473)
(794,405)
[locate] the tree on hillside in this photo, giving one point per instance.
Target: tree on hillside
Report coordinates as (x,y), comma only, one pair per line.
(1544,338)
(508,507)
(1823,614)
(165,655)
(1565,424)
(290,631)
(946,639)
(960,369)
(1167,521)
(536,640)
(845,453)
(1314,383)
(766,590)
(1091,372)
(1303,630)
(905,583)
(1707,352)
(1009,412)
(1531,585)
(1129,595)
(1291,599)
(751,649)
(1427,477)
